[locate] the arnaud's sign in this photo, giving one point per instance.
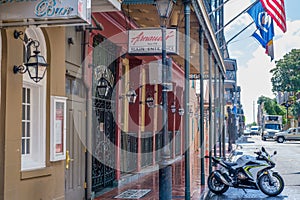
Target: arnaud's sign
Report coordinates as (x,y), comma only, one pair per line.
(149,41)
(44,12)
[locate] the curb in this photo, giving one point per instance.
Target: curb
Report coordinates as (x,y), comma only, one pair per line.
(206,194)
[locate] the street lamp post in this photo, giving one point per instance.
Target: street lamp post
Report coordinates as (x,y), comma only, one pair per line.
(287,105)
(164,8)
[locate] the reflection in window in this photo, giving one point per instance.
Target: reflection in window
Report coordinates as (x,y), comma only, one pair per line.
(74,87)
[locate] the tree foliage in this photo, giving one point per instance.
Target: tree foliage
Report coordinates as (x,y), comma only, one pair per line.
(296,109)
(286,74)
(271,107)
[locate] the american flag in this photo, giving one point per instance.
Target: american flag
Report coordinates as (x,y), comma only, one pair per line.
(275,8)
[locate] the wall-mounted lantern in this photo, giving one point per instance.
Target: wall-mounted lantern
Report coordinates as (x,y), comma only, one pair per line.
(173,108)
(131,96)
(181,111)
(149,102)
(103,87)
(35,64)
(191,113)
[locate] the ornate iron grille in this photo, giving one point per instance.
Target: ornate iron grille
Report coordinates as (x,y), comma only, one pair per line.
(103,123)
(103,161)
(129,151)
(147,148)
(177,143)
(171,141)
(158,146)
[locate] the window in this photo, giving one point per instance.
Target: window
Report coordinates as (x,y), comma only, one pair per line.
(34,113)
(33,126)
(26,121)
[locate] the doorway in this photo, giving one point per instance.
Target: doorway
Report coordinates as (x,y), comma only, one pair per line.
(75,164)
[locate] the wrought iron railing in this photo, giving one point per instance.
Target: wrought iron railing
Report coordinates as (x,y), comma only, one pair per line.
(129,146)
(177,143)
(147,149)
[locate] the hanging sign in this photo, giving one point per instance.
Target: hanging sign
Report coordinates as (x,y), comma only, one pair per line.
(44,12)
(149,41)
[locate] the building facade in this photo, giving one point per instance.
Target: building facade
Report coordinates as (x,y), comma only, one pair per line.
(79,131)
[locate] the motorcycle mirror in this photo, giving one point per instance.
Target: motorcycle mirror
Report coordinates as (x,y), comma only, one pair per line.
(263,149)
(275,152)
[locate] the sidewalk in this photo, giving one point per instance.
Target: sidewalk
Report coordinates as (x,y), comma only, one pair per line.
(148,184)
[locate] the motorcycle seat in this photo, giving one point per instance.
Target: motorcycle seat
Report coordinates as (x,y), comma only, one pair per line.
(230,163)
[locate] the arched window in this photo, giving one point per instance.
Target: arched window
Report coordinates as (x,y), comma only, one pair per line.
(34,112)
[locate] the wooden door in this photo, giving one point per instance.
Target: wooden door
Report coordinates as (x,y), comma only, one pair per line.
(75,162)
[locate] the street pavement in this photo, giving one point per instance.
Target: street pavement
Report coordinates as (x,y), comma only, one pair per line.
(288,165)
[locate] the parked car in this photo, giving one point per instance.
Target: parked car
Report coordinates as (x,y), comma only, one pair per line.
(290,134)
(255,130)
(246,132)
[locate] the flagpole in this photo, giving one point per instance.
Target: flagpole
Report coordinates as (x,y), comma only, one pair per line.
(226,43)
(218,8)
(237,16)
(238,33)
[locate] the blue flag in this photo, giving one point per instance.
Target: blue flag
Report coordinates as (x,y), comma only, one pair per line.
(265,27)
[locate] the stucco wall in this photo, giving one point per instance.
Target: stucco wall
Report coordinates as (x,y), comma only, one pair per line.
(46,183)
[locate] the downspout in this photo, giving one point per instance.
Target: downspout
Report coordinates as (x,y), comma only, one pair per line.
(223,116)
(215,107)
(219,113)
(187,12)
(210,112)
(201,61)
(85,42)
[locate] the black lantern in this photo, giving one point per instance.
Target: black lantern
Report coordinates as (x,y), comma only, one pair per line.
(103,87)
(35,65)
(164,7)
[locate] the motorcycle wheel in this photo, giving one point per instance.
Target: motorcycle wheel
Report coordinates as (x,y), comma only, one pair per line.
(268,188)
(216,186)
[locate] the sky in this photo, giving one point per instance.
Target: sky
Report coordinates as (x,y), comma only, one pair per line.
(253,73)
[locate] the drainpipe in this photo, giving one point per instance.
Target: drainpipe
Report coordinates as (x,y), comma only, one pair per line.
(201,61)
(85,42)
(223,116)
(219,113)
(210,112)
(187,12)
(215,132)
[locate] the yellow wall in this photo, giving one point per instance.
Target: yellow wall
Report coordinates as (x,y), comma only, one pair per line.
(42,184)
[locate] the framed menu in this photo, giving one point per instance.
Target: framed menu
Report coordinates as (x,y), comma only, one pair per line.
(58,128)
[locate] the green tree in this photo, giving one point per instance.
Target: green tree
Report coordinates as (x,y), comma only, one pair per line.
(271,107)
(296,111)
(254,124)
(286,74)
(286,77)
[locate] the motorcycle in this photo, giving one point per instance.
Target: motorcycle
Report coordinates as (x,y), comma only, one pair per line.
(247,172)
